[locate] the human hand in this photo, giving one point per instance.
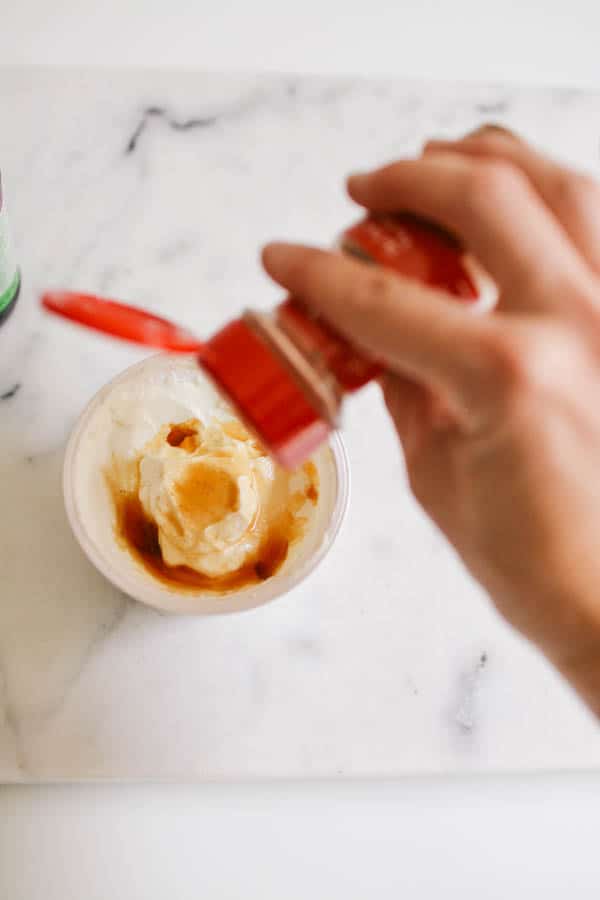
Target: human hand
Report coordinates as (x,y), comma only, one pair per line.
(499,414)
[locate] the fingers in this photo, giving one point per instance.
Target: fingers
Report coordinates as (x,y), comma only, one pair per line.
(414,410)
(413,330)
(494,208)
(574,198)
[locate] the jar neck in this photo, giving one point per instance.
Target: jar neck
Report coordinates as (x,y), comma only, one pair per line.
(331,358)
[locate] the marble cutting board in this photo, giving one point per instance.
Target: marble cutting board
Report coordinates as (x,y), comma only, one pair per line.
(159,187)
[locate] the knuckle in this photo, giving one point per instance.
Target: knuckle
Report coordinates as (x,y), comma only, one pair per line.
(375,291)
(383,179)
(519,362)
(487,181)
(490,138)
(314,271)
(574,189)
(502,359)
(525,363)
(301,268)
(534,370)
(388,172)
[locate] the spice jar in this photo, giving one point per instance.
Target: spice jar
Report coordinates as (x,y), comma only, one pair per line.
(287,373)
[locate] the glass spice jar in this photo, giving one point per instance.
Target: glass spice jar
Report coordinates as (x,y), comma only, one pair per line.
(287,372)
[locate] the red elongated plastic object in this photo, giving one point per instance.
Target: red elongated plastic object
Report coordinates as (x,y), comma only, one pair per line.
(121,321)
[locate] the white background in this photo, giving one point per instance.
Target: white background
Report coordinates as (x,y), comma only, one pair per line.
(492,838)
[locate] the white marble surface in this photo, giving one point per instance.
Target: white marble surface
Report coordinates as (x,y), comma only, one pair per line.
(388,660)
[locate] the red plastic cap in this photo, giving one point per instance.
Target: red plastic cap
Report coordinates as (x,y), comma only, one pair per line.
(122,321)
(266,396)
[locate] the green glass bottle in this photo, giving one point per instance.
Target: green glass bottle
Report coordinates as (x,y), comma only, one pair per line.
(10,276)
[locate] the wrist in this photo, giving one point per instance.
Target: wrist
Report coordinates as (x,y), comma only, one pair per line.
(565,626)
(582,670)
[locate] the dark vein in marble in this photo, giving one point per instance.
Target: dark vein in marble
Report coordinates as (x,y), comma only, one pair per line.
(495,108)
(11,391)
(12,724)
(465,716)
(269,91)
(158,112)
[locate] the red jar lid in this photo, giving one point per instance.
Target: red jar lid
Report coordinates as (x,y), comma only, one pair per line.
(262,387)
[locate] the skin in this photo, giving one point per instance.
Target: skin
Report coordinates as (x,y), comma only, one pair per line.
(498,415)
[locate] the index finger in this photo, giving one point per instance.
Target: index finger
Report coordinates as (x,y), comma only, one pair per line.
(414,330)
(496,211)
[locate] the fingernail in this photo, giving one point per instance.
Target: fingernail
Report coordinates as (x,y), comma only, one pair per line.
(437,144)
(488,127)
(357,181)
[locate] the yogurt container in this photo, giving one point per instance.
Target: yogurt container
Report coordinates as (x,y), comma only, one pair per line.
(122,417)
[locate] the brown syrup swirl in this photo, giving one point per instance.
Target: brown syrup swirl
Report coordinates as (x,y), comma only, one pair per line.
(208,494)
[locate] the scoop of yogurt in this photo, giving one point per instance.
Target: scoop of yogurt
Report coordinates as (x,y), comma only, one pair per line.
(205,487)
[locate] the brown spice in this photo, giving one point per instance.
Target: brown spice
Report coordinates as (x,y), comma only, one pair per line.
(140,535)
(179,433)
